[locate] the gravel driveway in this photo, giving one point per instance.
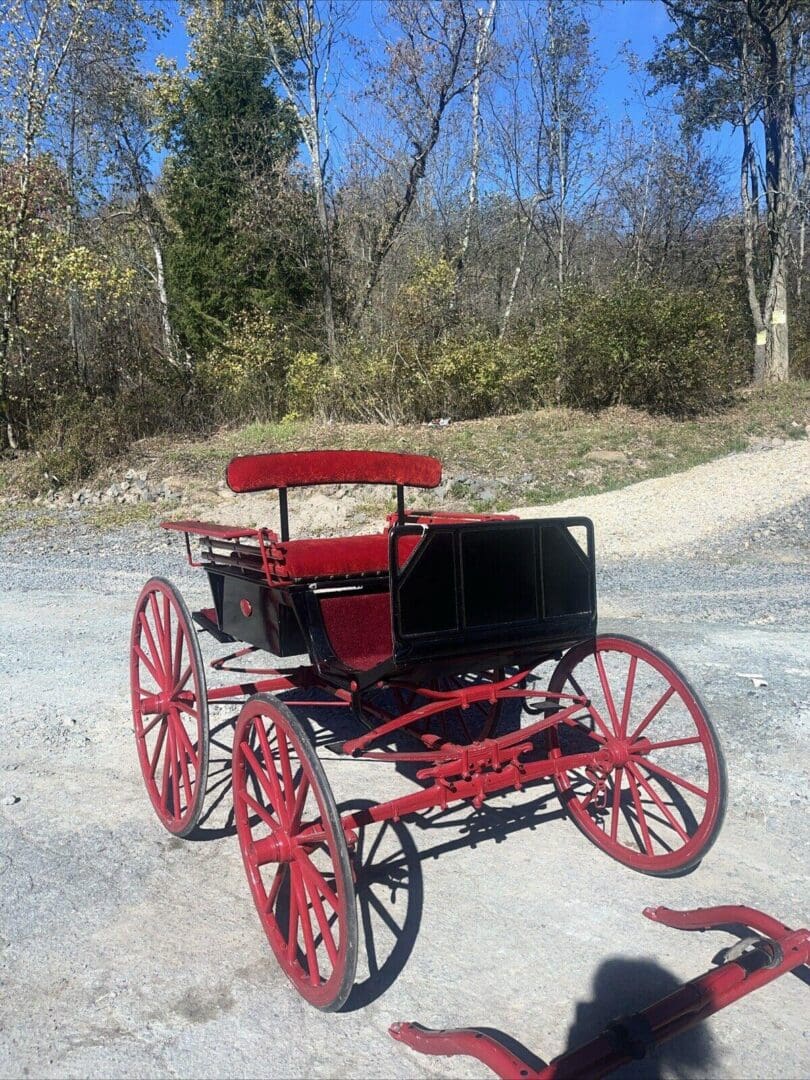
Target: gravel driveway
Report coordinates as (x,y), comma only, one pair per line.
(125,952)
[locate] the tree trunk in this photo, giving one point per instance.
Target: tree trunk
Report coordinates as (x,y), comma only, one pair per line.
(169,345)
(507,311)
(482,39)
(777,353)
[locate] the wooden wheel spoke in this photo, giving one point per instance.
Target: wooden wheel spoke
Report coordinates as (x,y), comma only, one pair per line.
(184,760)
(286,772)
(150,641)
(659,802)
(153,671)
(292,921)
(654,711)
(175,771)
(628,695)
(298,805)
(167,633)
(320,882)
(641,817)
(673,777)
(692,740)
(270,771)
(577,725)
(146,728)
(323,922)
(310,951)
(617,800)
(179,646)
(187,744)
(186,708)
(167,766)
(182,680)
(271,791)
(603,679)
(275,886)
(153,764)
(159,629)
(261,811)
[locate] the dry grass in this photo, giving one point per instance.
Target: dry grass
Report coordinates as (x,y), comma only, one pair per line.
(532,457)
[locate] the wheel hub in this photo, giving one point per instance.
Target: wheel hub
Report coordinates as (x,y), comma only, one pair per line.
(273,849)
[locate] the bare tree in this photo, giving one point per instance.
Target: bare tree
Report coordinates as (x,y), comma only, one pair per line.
(485,20)
(738,63)
(37,43)
(429,64)
(301,36)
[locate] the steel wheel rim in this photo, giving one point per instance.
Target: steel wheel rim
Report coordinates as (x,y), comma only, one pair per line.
(305,886)
(169,706)
(658,818)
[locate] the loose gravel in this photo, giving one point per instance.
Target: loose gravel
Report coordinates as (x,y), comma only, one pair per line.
(127,953)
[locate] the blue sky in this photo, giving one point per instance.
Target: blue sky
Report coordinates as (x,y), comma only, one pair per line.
(638,24)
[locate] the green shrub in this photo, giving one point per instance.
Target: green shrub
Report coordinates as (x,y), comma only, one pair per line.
(666,351)
(244,378)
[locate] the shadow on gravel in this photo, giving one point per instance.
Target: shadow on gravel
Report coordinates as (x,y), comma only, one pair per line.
(388,880)
(218,792)
(623,986)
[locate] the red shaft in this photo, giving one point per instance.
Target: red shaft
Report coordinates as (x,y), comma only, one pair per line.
(631,1038)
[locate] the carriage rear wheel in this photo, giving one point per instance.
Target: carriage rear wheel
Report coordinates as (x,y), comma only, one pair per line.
(169,706)
(655,796)
(295,852)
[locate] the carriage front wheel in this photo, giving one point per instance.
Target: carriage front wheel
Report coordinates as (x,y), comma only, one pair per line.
(295,852)
(654,796)
(169,706)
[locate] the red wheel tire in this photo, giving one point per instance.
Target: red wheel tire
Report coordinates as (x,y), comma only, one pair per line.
(169,706)
(658,800)
(303,890)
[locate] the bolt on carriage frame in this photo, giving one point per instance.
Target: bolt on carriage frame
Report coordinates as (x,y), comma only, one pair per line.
(433,632)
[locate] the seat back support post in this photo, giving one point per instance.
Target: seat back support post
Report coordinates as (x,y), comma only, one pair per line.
(284,525)
(400,504)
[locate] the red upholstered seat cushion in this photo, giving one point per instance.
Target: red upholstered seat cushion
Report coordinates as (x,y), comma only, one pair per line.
(340,555)
(359,628)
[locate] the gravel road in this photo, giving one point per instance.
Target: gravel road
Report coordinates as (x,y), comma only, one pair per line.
(125,952)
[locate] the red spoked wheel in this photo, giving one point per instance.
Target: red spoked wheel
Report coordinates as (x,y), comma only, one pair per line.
(654,796)
(295,852)
(169,706)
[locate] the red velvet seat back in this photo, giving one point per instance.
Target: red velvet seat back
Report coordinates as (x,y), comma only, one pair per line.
(303,468)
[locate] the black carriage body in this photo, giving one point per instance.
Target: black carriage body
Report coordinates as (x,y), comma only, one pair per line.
(505,586)
(472,596)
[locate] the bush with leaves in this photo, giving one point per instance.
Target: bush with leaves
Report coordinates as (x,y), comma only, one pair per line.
(667,351)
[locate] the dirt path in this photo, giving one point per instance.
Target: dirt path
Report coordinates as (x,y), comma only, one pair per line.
(125,952)
(686,509)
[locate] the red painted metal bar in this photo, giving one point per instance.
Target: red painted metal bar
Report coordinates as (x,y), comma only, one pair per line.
(751,964)
(444,701)
(513,774)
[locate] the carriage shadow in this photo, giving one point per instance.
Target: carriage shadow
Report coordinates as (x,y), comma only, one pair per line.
(218,798)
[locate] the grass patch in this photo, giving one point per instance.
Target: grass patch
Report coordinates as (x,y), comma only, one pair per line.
(529,458)
(116,515)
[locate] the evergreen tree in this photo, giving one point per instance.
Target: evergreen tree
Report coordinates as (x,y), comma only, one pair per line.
(227,130)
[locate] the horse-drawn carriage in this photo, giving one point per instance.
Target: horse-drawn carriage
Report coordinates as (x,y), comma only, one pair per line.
(436,633)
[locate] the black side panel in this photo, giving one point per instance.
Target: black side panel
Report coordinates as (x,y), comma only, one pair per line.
(567,573)
(428,605)
(252,612)
(500,579)
(500,585)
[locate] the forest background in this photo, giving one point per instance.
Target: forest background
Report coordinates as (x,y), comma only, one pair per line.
(222,211)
